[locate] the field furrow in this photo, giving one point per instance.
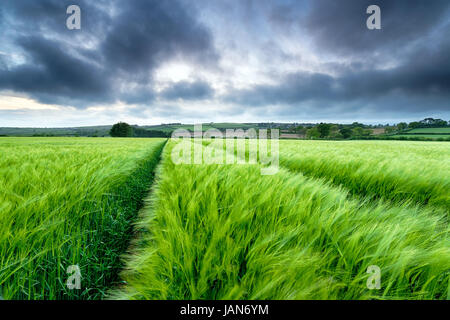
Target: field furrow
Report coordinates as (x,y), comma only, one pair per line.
(404,172)
(227,232)
(68,201)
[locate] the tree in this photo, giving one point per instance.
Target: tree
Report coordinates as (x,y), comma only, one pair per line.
(440,123)
(402,126)
(334,128)
(121,129)
(144,133)
(346,132)
(313,133)
(358,131)
(388,130)
(430,122)
(357,124)
(414,125)
(300,130)
(324,129)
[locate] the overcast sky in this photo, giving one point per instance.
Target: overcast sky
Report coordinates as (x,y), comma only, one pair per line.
(190,61)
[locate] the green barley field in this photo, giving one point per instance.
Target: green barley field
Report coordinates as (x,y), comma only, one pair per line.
(140,226)
(68,201)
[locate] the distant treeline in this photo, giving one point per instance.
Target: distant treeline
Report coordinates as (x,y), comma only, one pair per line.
(429,123)
(144,133)
(336,131)
(123,129)
(95,131)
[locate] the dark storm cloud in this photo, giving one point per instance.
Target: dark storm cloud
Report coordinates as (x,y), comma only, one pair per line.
(55,75)
(341,25)
(424,74)
(188,91)
(293,88)
(148,32)
(415,38)
(404,66)
(119,62)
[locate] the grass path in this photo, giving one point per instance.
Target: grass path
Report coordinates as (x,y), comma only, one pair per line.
(226,232)
(69,201)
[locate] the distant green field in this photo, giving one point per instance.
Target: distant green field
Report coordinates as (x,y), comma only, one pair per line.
(430,131)
(432,136)
(426,133)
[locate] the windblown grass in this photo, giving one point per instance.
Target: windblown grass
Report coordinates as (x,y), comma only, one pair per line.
(404,172)
(227,232)
(68,201)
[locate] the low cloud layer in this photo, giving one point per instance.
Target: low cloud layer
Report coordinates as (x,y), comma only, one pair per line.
(245,60)
(111,58)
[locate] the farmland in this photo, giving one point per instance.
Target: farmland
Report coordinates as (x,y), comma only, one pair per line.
(442,134)
(393,170)
(430,131)
(224,231)
(423,135)
(307,232)
(68,201)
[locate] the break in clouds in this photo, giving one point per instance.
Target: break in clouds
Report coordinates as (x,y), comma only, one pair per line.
(163,61)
